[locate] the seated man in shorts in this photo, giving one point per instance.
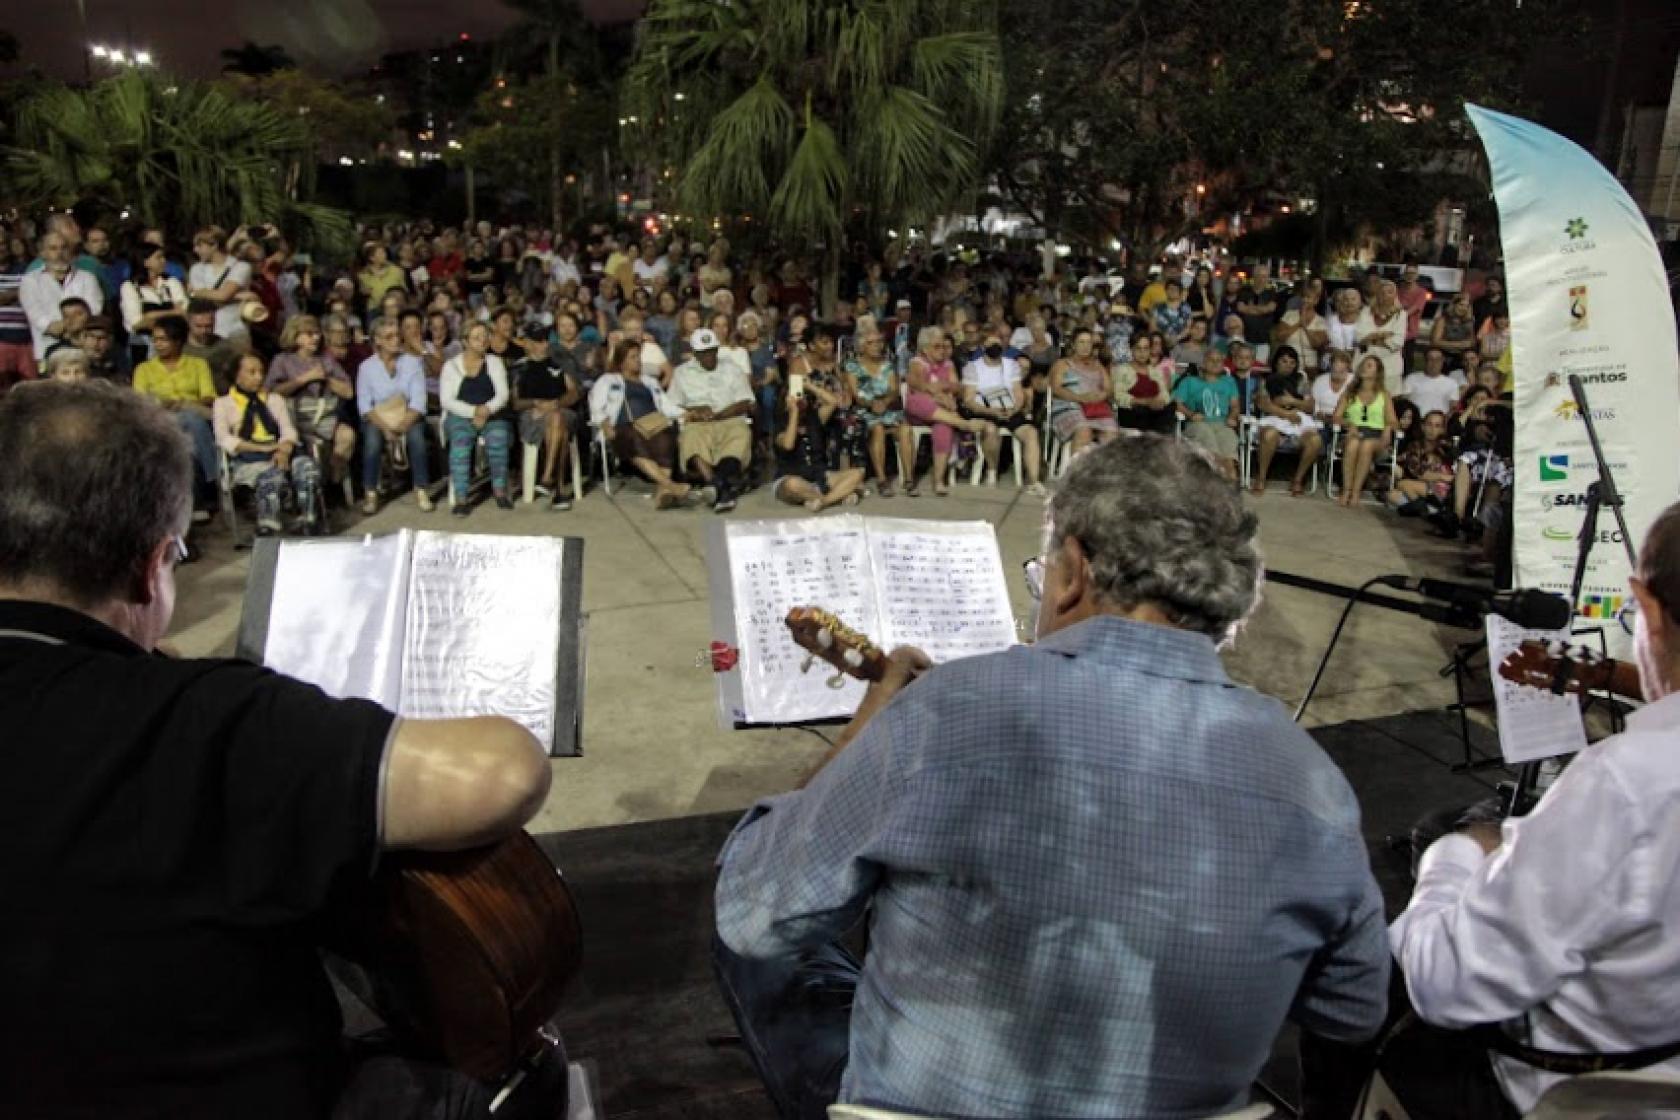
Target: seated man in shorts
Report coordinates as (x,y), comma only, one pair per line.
(715,403)
(1208,403)
(992,392)
(805,461)
(545,398)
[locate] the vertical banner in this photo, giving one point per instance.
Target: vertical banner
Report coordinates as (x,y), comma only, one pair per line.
(1588,296)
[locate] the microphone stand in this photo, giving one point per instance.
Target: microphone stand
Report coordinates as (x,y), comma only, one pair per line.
(1601,495)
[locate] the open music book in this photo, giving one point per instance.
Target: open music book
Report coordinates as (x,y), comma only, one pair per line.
(938,585)
(431,625)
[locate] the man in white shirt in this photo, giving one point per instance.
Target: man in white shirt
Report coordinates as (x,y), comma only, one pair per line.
(714,402)
(565,267)
(992,391)
(1563,926)
(650,267)
(43,292)
(1433,389)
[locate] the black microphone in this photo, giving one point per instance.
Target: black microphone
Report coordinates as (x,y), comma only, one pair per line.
(1530,609)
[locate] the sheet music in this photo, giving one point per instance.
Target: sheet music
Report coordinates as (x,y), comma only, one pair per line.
(940,587)
(774,567)
(1534,723)
(481,634)
(337,615)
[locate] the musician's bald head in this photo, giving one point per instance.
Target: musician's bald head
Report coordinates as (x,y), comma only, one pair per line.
(1656,586)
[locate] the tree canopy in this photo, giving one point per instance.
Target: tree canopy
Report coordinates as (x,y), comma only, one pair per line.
(256,59)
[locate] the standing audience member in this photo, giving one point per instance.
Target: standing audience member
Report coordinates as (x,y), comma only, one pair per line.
(219,280)
(17,337)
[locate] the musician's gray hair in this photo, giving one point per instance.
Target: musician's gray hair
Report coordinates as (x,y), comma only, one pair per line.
(1161,525)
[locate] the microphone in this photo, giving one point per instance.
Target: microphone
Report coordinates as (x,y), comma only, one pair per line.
(1530,609)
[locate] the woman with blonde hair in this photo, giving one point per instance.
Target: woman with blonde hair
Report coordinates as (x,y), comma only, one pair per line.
(1382,335)
(315,384)
(1368,426)
(932,400)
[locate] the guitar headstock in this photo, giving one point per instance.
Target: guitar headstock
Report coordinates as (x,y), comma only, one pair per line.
(822,634)
(1557,667)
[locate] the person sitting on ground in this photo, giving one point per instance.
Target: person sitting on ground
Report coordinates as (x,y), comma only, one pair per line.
(391,400)
(627,404)
(105,359)
(316,388)
(807,468)
(1142,393)
(546,395)
(993,391)
(1210,405)
(1285,408)
(874,386)
(1021,807)
(1544,934)
(1426,468)
(1369,425)
(714,401)
(932,401)
(254,427)
(1433,389)
(64,364)
(474,395)
(183,828)
(182,384)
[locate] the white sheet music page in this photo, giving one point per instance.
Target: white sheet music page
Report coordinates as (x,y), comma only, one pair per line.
(336,616)
(1534,723)
(799,562)
(483,629)
(941,587)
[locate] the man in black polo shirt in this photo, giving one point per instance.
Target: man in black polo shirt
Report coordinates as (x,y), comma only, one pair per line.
(546,391)
(171,831)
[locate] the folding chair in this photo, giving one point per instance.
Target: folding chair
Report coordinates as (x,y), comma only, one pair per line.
(608,460)
(528,470)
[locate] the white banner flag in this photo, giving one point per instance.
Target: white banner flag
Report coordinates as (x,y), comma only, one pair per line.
(1588,296)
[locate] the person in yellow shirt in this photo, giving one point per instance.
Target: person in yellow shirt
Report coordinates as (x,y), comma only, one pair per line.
(1156,291)
(1507,372)
(182,384)
(379,275)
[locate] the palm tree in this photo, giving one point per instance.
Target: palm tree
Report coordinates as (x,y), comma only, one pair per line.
(179,154)
(256,60)
(819,113)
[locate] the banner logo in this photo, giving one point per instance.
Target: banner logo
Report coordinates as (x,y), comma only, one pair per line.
(1569,410)
(1554,468)
(1578,308)
(1601,606)
(1576,228)
(1554,533)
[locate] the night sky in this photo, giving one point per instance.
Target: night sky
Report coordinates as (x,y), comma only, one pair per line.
(186,36)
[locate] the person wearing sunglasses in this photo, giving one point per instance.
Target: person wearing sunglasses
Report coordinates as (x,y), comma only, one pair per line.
(1076,857)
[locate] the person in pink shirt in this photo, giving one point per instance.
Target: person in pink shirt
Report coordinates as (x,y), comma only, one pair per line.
(1414,297)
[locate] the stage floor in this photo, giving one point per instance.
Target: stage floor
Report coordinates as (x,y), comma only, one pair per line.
(652,746)
(645,1004)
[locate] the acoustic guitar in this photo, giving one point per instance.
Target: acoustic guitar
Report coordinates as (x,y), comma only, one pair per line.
(1561,668)
(467,953)
(821,634)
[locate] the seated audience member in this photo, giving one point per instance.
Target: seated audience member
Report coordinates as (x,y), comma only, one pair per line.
(1172,315)
(931,400)
(1546,933)
(1426,468)
(1368,426)
(182,384)
(105,359)
(714,402)
(254,427)
(1142,393)
(820,364)
(1303,326)
(217,352)
(1210,404)
(148,295)
(316,388)
(181,828)
(44,289)
(874,388)
(66,363)
(1433,389)
(546,395)
(73,315)
(1328,387)
(993,391)
(1193,349)
(1454,331)
(474,393)
(807,467)
(1285,408)
(391,400)
(1013,826)
(1080,390)
(1482,472)
(1495,337)
(632,415)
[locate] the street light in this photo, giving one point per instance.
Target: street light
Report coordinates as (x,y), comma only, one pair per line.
(99,51)
(143,58)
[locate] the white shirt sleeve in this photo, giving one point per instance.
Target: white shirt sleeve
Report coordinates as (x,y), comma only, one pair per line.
(498,381)
(449,390)
(39,301)
(129,295)
(1486,939)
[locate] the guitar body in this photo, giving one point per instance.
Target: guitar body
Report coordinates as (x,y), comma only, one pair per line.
(469,952)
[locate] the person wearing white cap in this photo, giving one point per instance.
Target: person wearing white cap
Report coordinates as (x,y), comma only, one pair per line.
(714,403)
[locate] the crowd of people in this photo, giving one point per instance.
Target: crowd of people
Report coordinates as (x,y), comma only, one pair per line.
(707,372)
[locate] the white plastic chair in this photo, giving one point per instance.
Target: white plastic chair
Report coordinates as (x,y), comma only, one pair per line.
(605,452)
(1333,455)
(528,470)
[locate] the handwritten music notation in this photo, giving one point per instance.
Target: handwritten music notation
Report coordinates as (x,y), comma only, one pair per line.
(943,592)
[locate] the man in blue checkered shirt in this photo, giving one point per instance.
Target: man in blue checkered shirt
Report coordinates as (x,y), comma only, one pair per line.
(1098,875)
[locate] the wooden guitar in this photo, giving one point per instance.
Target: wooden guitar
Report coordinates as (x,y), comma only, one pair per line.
(1561,668)
(467,952)
(822,634)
